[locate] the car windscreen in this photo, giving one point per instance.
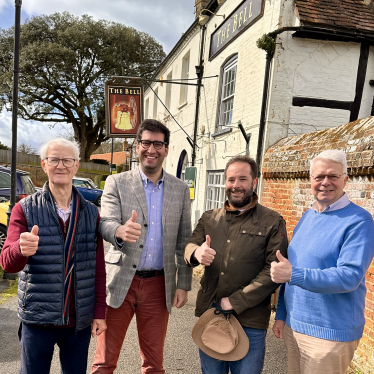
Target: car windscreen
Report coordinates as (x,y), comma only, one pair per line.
(28,186)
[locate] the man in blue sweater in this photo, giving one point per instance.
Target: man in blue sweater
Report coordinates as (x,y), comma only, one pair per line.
(320,313)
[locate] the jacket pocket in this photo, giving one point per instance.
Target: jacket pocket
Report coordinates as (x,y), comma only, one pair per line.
(112,258)
(254,239)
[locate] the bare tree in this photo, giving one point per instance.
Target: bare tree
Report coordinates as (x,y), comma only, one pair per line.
(27,149)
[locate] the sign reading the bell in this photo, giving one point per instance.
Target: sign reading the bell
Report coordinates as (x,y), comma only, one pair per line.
(190,179)
(123,109)
(245,15)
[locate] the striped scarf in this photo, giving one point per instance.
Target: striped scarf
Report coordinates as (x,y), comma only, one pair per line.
(69,253)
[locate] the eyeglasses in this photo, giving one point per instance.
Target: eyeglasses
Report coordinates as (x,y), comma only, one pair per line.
(156,144)
(54,161)
(330,177)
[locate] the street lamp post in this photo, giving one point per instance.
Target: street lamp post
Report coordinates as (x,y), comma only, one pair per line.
(17,28)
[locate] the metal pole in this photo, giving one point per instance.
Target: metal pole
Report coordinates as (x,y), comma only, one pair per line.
(13,175)
(199,73)
(111,159)
(260,143)
(17,26)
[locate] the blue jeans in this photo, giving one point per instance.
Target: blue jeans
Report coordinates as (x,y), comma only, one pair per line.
(252,363)
(38,343)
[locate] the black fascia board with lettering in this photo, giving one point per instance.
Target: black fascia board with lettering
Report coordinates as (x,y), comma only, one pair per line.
(244,16)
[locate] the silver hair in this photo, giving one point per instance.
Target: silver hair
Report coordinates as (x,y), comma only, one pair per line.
(336,155)
(63,142)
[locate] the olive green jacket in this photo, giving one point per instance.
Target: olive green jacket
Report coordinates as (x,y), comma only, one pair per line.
(245,243)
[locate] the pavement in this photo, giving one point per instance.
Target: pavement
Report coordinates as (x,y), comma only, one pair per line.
(181,355)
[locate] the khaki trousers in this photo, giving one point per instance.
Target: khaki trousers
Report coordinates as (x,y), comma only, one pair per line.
(309,355)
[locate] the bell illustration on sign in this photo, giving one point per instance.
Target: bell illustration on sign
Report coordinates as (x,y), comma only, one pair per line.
(125,114)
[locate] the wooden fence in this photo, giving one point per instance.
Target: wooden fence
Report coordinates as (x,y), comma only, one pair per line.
(34,160)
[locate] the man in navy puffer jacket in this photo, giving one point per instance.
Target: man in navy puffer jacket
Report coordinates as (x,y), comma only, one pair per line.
(54,244)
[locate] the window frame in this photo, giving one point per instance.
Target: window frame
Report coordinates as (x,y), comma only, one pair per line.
(155,102)
(185,75)
(211,200)
(168,94)
(228,65)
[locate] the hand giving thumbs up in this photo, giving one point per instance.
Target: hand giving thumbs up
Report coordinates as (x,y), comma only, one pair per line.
(29,242)
(204,254)
(281,271)
(130,231)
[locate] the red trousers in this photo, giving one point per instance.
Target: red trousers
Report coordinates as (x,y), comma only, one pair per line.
(145,298)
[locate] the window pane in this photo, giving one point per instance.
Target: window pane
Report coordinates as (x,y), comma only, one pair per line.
(27,184)
(215,195)
(4,180)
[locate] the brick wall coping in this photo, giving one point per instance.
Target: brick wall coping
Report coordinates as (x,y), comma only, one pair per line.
(290,157)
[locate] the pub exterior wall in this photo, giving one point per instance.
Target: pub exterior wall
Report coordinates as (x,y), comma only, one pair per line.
(300,67)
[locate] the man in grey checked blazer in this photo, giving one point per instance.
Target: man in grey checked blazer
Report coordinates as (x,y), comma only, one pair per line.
(145,215)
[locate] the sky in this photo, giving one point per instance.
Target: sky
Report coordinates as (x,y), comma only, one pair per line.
(165,20)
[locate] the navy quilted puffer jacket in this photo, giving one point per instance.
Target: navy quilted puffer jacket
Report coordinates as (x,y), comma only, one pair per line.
(41,282)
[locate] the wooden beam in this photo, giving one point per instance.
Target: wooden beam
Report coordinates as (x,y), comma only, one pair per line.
(321,103)
(360,82)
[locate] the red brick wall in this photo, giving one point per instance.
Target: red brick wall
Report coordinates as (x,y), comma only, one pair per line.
(291,197)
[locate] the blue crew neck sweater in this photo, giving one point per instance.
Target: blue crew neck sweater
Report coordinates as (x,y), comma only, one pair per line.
(330,253)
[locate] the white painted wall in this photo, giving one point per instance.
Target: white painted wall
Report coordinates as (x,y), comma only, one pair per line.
(300,67)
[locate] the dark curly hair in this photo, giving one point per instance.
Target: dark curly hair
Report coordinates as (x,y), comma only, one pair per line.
(153,126)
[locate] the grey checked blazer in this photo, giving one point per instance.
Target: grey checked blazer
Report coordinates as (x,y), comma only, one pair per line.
(124,193)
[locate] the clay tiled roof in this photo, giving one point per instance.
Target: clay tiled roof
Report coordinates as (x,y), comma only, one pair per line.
(292,155)
(119,158)
(353,15)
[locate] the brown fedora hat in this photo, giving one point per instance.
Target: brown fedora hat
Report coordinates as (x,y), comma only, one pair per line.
(220,337)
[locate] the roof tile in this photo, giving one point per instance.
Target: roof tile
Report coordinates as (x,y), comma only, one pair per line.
(346,14)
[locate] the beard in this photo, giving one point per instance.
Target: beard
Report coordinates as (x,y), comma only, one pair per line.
(239,202)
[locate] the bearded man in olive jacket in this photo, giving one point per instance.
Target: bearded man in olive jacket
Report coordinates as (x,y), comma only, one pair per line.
(237,245)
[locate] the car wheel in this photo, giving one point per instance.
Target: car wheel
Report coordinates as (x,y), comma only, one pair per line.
(2,237)
(98,201)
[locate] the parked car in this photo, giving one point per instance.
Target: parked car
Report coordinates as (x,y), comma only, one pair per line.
(88,189)
(3,223)
(24,185)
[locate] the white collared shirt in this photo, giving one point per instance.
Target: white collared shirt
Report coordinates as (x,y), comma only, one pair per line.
(338,204)
(64,214)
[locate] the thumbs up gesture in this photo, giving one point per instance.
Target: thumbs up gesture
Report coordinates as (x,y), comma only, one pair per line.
(281,271)
(130,231)
(29,241)
(204,254)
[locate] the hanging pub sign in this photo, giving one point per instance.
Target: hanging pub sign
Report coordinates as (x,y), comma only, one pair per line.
(190,179)
(244,16)
(123,109)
